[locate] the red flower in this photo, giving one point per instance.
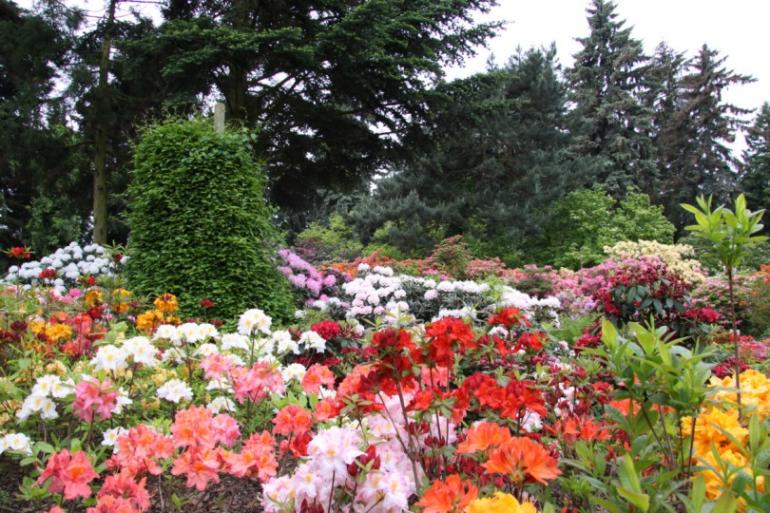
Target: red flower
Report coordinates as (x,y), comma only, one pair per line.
(327,329)
(509,317)
(369,457)
(207,303)
(447,337)
(47,274)
(19,253)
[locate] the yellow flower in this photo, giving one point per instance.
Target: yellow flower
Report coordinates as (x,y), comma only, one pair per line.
(500,503)
(146,322)
(166,303)
(57,332)
(37,326)
(93,297)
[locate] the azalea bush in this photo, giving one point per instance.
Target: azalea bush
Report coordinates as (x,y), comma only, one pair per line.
(386,392)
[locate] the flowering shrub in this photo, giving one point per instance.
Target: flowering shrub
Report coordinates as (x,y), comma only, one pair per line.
(677,257)
(461,399)
(67,267)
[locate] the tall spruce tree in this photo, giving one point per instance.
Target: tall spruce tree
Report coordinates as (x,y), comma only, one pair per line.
(662,95)
(755,176)
(700,133)
(494,158)
(331,85)
(611,125)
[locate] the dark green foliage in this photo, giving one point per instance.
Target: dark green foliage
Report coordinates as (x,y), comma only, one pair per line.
(611,125)
(755,176)
(697,136)
(486,166)
(587,220)
(200,227)
(331,84)
(41,176)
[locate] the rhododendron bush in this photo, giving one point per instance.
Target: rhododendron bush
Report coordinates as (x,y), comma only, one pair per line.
(389,392)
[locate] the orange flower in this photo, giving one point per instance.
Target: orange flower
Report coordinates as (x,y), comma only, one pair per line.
(522,458)
(316,376)
(482,436)
(166,303)
(449,496)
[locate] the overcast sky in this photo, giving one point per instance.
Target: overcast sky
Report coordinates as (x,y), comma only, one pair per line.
(738,29)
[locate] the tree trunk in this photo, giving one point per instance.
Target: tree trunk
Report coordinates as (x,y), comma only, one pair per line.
(100,141)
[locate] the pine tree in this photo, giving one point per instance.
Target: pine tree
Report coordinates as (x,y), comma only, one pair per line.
(755,176)
(700,133)
(331,86)
(487,164)
(611,125)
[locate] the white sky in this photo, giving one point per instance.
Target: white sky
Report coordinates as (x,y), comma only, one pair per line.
(738,29)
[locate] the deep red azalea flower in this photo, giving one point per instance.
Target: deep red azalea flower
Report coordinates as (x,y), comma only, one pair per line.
(509,317)
(327,329)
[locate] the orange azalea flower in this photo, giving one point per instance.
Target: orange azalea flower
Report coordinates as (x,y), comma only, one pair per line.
(448,496)
(579,428)
(482,436)
(316,376)
(522,458)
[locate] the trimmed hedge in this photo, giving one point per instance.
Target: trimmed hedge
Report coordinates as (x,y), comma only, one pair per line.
(200,227)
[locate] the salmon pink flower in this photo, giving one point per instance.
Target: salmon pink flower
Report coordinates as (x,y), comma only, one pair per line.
(193,427)
(316,376)
(483,436)
(199,466)
(123,486)
(257,382)
(292,419)
(139,450)
(69,473)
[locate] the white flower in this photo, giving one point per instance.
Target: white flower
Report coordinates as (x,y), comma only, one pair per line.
(532,421)
(123,400)
(299,314)
(192,333)
(206,349)
(167,332)
(312,340)
(221,403)
(63,389)
(284,343)
(109,358)
(48,409)
(16,442)
(293,371)
(44,385)
(362,268)
(175,390)
(141,350)
(335,448)
(110,436)
(254,320)
(235,341)
(173,354)
(430,294)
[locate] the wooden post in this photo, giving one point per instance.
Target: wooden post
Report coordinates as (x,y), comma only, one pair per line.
(219,117)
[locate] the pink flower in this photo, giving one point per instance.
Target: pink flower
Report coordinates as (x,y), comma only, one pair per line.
(226,430)
(69,473)
(215,365)
(257,382)
(94,396)
(139,450)
(123,486)
(316,376)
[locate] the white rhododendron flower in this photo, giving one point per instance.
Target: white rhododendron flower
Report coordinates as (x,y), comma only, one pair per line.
(254,320)
(110,436)
(141,350)
(175,390)
(109,358)
(17,443)
(312,340)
